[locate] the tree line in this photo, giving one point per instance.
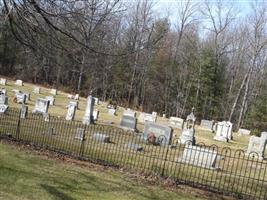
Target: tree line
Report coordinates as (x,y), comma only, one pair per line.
(208,55)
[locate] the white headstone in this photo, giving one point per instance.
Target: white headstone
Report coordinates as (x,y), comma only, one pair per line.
(41,106)
(88,117)
(95,114)
(37,90)
(243,131)
(256,145)
(3,81)
(224,131)
(21,97)
(71,111)
(3,108)
(51,100)
(3,99)
(129,112)
(76,97)
(53,91)
(176,122)
(112,111)
(96,100)
(19,82)
(146,117)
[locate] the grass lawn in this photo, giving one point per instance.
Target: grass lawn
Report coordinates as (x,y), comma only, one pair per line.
(26,175)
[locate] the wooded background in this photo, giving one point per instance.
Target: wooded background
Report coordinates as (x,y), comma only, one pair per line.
(208,55)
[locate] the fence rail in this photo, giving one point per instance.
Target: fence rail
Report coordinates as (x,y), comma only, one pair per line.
(220,170)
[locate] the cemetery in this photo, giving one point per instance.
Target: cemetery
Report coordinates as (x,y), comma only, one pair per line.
(186,152)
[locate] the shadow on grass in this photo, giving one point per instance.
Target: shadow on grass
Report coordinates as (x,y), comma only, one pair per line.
(56,193)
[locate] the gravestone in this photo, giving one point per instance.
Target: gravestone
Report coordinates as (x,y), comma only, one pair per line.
(161,132)
(3,91)
(3,99)
(23,111)
(71,111)
(41,106)
(76,103)
(243,131)
(112,111)
(96,100)
(176,122)
(129,112)
(224,131)
(80,134)
(53,91)
(264,135)
(164,115)
(95,115)
(133,146)
(188,133)
(207,124)
(88,117)
(19,82)
(51,100)
(214,128)
(101,137)
(199,156)
(3,81)
(21,97)
(154,114)
(28,96)
(256,145)
(46,117)
(128,122)
(76,97)
(37,90)
(3,108)
(146,117)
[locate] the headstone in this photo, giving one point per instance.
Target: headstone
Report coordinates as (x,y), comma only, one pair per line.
(21,97)
(133,146)
(101,137)
(76,103)
(28,96)
(154,114)
(88,117)
(46,117)
(23,111)
(146,117)
(128,122)
(214,128)
(3,108)
(243,131)
(71,111)
(53,91)
(264,135)
(112,111)
(199,156)
(41,106)
(256,145)
(3,91)
(164,115)
(162,133)
(129,112)
(176,122)
(19,82)
(207,124)
(3,99)
(95,115)
(51,100)
(76,97)
(224,131)
(188,133)
(80,134)
(96,100)
(37,90)
(3,81)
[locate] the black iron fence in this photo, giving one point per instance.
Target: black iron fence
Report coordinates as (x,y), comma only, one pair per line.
(216,169)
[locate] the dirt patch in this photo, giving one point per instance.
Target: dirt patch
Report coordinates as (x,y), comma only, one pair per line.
(138,177)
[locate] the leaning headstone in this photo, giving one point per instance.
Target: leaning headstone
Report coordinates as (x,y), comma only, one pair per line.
(3,108)
(41,106)
(112,111)
(37,90)
(256,145)
(53,91)
(133,146)
(51,100)
(3,99)
(199,156)
(243,131)
(176,122)
(19,82)
(95,114)
(101,137)
(88,117)
(23,111)
(162,133)
(3,81)
(207,124)
(21,97)
(129,112)
(80,134)
(128,122)
(224,131)
(71,111)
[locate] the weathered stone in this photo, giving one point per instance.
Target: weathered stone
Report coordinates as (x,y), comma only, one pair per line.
(24,111)
(162,133)
(88,117)
(51,100)
(129,112)
(207,124)
(3,81)
(264,135)
(41,106)
(128,122)
(243,131)
(19,82)
(37,90)
(199,156)
(224,131)
(96,100)
(53,91)
(176,122)
(71,111)
(21,97)
(146,117)
(188,136)
(256,145)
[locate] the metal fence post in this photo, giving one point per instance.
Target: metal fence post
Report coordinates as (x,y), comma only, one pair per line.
(18,126)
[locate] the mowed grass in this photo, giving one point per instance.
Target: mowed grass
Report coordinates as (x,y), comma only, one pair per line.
(60,110)
(24,175)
